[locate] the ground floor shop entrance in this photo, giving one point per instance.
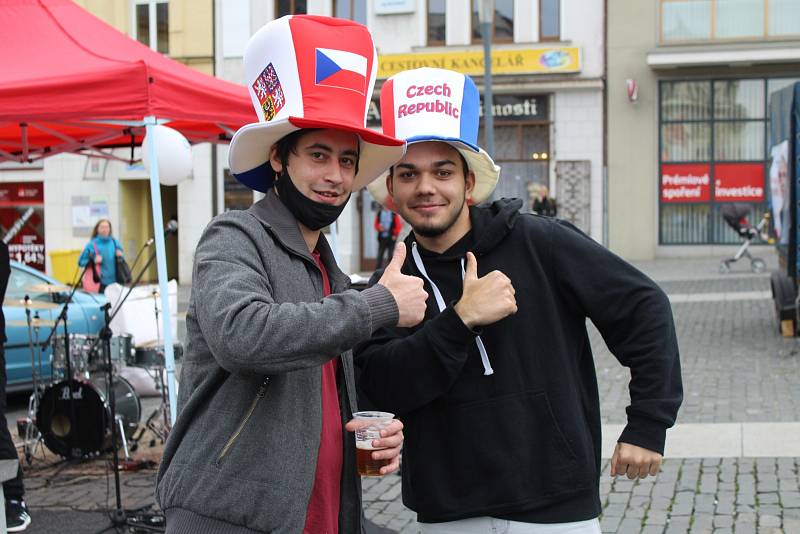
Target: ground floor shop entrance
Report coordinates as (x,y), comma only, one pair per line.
(136,224)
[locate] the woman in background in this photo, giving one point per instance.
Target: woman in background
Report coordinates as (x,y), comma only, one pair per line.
(103,248)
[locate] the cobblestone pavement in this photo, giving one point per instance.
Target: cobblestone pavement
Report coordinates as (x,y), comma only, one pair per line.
(735,365)
(736,368)
(688,496)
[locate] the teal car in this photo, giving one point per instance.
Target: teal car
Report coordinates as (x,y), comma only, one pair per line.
(85,317)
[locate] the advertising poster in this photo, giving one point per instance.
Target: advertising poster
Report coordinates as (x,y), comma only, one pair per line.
(22,221)
(739,182)
(686,182)
(779,189)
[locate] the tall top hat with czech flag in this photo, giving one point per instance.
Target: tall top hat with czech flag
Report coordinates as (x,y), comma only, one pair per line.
(307,71)
(436,105)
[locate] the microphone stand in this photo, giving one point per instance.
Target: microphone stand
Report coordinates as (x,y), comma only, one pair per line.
(119,517)
(138,254)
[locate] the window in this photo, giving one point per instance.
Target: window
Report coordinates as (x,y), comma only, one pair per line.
(686,20)
(502,25)
(289,7)
(20,282)
(522,150)
(151,24)
(237,195)
(709,20)
(549,20)
(712,146)
(739,18)
(355,10)
(782,17)
(436,22)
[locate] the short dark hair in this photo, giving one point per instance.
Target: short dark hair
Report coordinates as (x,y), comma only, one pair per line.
(288,143)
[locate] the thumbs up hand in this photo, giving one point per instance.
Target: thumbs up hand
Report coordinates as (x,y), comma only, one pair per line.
(407,290)
(485,300)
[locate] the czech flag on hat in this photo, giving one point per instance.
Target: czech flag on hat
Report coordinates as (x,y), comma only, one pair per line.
(306,71)
(436,105)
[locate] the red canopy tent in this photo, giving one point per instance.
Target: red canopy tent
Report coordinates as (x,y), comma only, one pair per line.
(66,77)
(71,83)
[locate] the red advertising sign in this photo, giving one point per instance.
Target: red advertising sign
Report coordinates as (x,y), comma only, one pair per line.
(21,193)
(686,182)
(22,221)
(739,182)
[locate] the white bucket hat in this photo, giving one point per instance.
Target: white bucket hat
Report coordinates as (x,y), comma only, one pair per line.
(306,71)
(436,105)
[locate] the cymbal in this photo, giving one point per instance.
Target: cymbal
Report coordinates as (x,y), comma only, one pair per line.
(47,288)
(31,304)
(35,323)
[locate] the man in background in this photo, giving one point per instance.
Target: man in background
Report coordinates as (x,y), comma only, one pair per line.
(388,225)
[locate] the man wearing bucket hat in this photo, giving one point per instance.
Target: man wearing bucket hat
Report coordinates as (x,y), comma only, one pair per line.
(267,383)
(497,386)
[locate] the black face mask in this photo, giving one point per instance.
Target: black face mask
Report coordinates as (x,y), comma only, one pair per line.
(313,215)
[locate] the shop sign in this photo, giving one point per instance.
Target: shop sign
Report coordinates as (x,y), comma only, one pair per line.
(739,182)
(21,193)
(516,108)
(686,183)
(393,7)
(555,60)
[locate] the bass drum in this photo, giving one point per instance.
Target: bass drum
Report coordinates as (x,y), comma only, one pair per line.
(88,431)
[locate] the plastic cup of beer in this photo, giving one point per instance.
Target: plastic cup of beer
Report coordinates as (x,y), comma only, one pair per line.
(367,466)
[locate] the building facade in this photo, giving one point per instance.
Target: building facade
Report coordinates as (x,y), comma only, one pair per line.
(548,100)
(689,85)
(69,193)
(548,70)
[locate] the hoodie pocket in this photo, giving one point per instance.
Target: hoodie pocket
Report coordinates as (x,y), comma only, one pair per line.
(511,449)
(262,390)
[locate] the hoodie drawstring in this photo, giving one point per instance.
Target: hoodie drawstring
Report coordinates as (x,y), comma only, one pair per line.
(487,367)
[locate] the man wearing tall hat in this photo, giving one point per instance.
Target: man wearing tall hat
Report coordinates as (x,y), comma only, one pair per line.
(261,443)
(497,387)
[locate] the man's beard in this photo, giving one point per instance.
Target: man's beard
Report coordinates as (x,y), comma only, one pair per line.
(431,230)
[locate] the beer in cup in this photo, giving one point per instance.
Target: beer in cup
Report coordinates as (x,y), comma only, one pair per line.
(368,467)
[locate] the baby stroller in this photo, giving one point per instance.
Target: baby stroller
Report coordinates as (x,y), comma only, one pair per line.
(736,217)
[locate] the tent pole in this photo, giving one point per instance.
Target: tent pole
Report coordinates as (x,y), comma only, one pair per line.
(161,261)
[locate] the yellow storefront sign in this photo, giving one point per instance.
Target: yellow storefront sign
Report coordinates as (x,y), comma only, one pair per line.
(525,61)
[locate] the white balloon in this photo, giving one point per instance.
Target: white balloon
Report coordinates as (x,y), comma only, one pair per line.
(174,155)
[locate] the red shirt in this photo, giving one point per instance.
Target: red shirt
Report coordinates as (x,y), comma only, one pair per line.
(323,508)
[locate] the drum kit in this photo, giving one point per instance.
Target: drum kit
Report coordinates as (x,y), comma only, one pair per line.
(70,409)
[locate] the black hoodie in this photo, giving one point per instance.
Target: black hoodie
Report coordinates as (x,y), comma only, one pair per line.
(522,443)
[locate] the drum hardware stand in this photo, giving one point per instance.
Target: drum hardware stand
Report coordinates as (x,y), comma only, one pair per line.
(120,516)
(160,430)
(32,438)
(155,309)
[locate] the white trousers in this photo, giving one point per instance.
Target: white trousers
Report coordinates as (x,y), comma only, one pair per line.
(491,525)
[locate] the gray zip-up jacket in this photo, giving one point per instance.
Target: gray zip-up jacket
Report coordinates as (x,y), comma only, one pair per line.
(243,452)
